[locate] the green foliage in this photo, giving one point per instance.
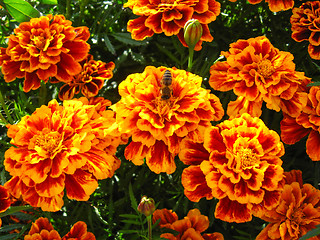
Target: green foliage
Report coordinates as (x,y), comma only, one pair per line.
(21,10)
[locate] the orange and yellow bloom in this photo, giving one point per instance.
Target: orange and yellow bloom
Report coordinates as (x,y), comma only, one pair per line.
(158,125)
(274,5)
(256,71)
(297,212)
(89,81)
(42,229)
(307,123)
(43,48)
(61,147)
(239,164)
(170,16)
(4,200)
(190,227)
(305,26)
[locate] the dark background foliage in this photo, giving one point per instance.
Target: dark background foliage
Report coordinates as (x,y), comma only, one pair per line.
(111,211)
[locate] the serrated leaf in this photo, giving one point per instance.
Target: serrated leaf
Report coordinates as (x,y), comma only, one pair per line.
(9,236)
(21,10)
(133,200)
(312,233)
(14,209)
(313,84)
(126,38)
(109,45)
(51,2)
(129,216)
(8,228)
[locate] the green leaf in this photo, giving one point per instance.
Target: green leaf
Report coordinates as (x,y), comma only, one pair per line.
(129,216)
(9,236)
(21,10)
(14,209)
(133,200)
(8,228)
(126,38)
(312,233)
(109,45)
(313,84)
(51,2)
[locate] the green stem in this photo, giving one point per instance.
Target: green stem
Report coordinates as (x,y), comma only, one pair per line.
(4,106)
(68,9)
(191,50)
(42,94)
(149,219)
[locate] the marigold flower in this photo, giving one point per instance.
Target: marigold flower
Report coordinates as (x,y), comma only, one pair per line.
(157,125)
(307,123)
(274,5)
(190,227)
(42,229)
(238,163)
(305,26)
(42,48)
(170,16)
(146,206)
(4,200)
(297,213)
(89,81)
(61,147)
(257,72)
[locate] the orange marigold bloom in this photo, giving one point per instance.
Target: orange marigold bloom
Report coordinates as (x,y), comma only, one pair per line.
(89,81)
(274,5)
(238,163)
(42,48)
(170,16)
(190,227)
(4,200)
(297,213)
(305,26)
(257,72)
(42,229)
(159,116)
(61,147)
(307,123)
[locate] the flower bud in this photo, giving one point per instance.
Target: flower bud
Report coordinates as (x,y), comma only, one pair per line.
(146,206)
(192,32)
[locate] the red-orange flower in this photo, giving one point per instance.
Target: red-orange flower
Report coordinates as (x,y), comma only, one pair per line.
(297,213)
(4,200)
(42,229)
(238,163)
(170,16)
(257,71)
(190,227)
(274,5)
(305,26)
(42,48)
(158,116)
(61,147)
(89,81)
(307,123)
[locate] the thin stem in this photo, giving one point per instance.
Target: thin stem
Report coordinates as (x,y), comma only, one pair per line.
(191,50)
(4,106)
(42,93)
(68,9)
(149,219)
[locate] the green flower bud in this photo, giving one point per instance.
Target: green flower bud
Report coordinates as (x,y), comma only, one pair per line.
(146,206)
(192,32)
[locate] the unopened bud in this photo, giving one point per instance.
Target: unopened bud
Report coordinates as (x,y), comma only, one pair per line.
(146,206)
(192,32)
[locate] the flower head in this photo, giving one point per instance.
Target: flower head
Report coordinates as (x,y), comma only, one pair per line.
(4,200)
(42,48)
(190,227)
(192,32)
(89,81)
(305,26)
(274,5)
(170,16)
(306,124)
(157,125)
(257,72)
(238,163)
(61,147)
(297,212)
(146,206)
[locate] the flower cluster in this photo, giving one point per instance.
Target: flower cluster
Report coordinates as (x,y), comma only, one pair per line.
(42,48)
(61,148)
(239,164)
(4,200)
(274,5)
(159,116)
(257,72)
(297,213)
(190,227)
(307,123)
(42,229)
(170,16)
(305,26)
(89,81)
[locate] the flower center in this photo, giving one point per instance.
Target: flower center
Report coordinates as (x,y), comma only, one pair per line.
(247,158)
(49,142)
(265,68)
(297,215)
